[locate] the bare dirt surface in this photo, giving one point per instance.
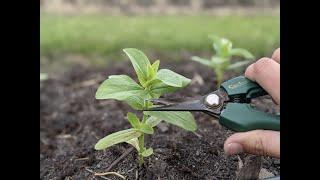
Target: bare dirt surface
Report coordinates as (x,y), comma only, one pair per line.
(72,121)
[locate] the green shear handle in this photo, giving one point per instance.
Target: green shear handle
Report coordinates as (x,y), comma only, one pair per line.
(240,116)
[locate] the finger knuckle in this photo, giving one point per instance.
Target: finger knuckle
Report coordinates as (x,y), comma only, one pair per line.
(262,64)
(259,145)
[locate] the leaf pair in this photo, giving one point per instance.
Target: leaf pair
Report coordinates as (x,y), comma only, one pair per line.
(145,153)
(148,74)
(223,48)
(117,137)
(181,119)
(129,136)
(141,65)
(123,88)
(153,83)
(135,123)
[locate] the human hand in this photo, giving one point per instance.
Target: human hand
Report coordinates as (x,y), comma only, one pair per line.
(266,72)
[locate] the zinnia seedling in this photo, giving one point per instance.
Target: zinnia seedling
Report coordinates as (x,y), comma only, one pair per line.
(221,61)
(152,84)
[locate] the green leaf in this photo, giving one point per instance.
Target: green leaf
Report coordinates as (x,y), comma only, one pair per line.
(133,119)
(216,43)
(171,78)
(225,47)
(159,88)
(135,122)
(222,46)
(184,120)
(118,87)
(201,60)
(153,121)
(155,67)
(241,53)
(148,152)
(135,143)
(123,88)
(116,138)
(153,73)
(238,65)
(145,128)
(140,62)
(137,102)
(219,62)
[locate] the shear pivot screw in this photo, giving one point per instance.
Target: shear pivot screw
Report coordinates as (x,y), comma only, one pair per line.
(212,100)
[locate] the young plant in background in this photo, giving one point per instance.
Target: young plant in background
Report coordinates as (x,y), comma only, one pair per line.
(152,84)
(221,61)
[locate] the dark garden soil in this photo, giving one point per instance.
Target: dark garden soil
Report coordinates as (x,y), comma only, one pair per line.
(72,121)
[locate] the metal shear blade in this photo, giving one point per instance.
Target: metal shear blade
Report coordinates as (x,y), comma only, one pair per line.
(165,101)
(191,105)
(194,105)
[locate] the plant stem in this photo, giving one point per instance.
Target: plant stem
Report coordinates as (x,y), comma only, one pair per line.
(146,106)
(219,76)
(141,147)
(141,138)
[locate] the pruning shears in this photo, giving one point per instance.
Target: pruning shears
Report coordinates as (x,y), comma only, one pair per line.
(230,104)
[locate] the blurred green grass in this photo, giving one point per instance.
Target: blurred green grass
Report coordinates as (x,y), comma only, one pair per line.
(98,35)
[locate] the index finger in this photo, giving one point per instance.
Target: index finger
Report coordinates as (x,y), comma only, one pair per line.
(266,72)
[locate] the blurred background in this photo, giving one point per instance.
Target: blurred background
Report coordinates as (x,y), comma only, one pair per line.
(94,32)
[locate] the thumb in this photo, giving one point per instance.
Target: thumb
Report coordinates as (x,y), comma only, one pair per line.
(260,142)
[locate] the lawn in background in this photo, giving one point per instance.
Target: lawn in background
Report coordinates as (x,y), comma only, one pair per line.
(100,35)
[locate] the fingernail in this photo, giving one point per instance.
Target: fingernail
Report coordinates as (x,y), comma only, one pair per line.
(234,148)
